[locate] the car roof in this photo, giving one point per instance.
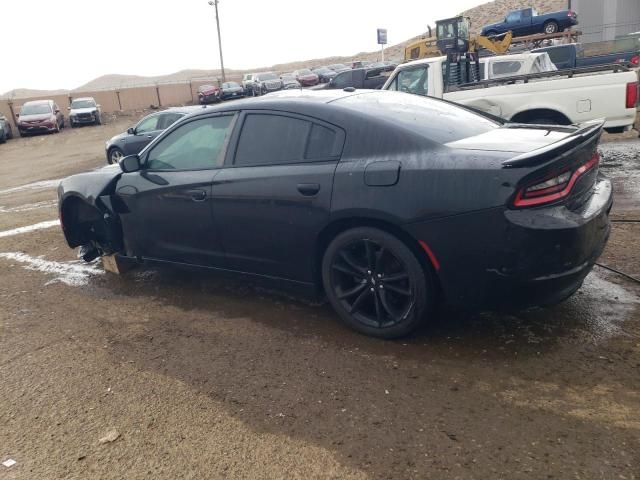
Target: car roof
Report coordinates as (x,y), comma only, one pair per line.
(84,98)
(306,102)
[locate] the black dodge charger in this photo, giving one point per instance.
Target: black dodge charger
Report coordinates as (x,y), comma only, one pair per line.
(388,203)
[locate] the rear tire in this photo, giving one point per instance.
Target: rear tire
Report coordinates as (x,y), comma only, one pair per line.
(376,284)
(550,27)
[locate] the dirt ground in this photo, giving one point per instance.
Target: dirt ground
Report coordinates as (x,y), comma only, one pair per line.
(201,377)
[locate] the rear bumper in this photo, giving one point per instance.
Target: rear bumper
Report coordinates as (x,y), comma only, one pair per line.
(503,258)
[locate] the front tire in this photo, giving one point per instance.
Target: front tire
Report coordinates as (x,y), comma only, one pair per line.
(115,155)
(376,284)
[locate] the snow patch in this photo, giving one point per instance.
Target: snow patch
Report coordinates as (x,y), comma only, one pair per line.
(28,207)
(74,274)
(29,228)
(33,186)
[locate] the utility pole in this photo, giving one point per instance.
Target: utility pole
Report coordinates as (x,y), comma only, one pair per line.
(215,4)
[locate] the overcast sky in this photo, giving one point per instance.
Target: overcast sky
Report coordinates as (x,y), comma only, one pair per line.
(55,44)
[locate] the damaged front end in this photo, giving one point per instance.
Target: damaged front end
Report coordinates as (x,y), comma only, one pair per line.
(88,213)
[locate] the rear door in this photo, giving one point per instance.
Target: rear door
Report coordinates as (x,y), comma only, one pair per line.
(274,194)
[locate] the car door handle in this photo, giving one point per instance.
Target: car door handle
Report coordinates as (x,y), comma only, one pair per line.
(197,195)
(308,189)
(149,136)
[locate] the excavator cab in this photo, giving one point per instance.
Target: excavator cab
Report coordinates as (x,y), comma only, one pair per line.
(453,34)
(462,65)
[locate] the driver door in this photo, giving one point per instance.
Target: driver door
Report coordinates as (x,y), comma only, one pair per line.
(168,201)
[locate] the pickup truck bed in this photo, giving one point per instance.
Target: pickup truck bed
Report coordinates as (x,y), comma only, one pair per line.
(560,97)
(572,56)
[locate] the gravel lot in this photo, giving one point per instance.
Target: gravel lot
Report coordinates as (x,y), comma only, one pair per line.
(193,376)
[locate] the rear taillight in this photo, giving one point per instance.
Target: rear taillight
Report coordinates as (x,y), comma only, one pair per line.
(552,189)
(632,94)
(635,60)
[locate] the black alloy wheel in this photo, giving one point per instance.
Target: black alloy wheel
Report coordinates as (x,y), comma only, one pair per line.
(376,283)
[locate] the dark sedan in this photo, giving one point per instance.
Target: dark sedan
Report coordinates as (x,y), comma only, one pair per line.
(6,132)
(136,138)
(325,74)
(231,90)
(388,203)
(289,81)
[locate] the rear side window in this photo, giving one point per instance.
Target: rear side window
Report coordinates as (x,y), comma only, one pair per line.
(505,68)
(343,80)
(323,143)
(268,139)
(559,55)
(272,140)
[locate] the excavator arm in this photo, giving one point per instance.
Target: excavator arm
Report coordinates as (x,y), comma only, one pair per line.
(495,44)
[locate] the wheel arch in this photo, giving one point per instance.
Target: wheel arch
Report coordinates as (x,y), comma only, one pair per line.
(339,225)
(75,214)
(526,115)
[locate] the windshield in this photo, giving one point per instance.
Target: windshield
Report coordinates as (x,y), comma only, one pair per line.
(35,109)
(338,66)
(288,78)
(267,76)
(83,104)
(230,85)
(304,71)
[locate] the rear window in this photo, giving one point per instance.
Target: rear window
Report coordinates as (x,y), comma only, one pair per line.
(436,120)
(559,55)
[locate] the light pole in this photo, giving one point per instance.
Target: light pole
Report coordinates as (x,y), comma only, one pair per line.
(215,4)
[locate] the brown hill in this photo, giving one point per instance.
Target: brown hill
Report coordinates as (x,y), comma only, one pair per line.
(483,14)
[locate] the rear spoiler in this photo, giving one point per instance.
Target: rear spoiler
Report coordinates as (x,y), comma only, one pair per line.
(583,133)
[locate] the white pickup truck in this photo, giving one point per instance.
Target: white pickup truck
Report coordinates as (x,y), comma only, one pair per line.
(557,97)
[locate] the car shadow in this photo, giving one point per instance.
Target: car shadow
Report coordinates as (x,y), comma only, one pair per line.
(453,399)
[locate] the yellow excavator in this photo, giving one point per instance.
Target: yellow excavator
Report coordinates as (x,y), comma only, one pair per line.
(455,28)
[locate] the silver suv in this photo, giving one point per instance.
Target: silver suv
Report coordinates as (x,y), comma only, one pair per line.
(84,110)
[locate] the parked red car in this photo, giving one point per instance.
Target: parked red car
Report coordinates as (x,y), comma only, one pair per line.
(209,94)
(306,77)
(40,116)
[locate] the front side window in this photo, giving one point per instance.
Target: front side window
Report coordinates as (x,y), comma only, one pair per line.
(412,80)
(513,17)
(148,124)
(168,119)
(195,145)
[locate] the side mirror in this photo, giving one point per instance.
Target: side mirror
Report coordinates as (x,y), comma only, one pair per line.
(17,115)
(130,163)
(131,131)
(98,106)
(68,108)
(57,110)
